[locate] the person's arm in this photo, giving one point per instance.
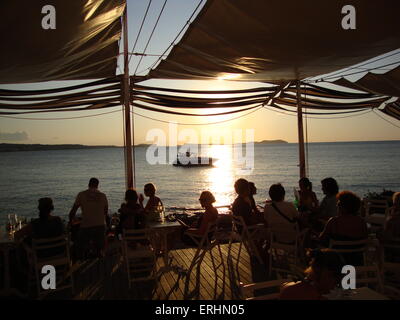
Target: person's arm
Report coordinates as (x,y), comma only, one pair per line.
(74,209)
(141,199)
(23,233)
(325,235)
(106,217)
(106,206)
(182,223)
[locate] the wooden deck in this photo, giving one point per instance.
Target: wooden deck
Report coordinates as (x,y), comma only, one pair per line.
(205,283)
(221,284)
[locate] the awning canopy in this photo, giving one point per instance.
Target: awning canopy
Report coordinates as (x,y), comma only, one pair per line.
(385,84)
(84,44)
(277,41)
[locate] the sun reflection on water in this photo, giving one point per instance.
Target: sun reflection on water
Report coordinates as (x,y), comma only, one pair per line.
(220,178)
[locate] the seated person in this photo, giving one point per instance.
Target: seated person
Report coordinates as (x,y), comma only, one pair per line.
(242,205)
(154,205)
(328,208)
(210,215)
(132,215)
(391,233)
(308,201)
(253,191)
(278,213)
(322,276)
(347,226)
(46,226)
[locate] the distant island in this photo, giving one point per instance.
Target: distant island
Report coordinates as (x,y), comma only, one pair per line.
(9,147)
(271,142)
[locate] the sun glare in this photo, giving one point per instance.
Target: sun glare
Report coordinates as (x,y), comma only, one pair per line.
(220,178)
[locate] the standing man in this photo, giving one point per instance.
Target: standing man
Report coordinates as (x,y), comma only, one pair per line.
(94,206)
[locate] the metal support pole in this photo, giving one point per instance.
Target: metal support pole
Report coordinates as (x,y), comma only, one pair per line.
(302,159)
(128,123)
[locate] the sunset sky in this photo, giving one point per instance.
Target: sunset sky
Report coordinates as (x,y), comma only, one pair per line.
(108,129)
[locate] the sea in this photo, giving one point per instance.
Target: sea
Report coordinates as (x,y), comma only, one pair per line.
(26,176)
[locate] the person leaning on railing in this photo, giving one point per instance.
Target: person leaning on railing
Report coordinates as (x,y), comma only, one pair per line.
(92,229)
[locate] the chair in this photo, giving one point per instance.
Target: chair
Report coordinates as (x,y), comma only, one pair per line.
(247,236)
(391,267)
(286,247)
(376,213)
(369,276)
(139,256)
(349,248)
(54,252)
(247,290)
(205,244)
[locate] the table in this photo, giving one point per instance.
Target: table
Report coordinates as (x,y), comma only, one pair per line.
(163,229)
(7,244)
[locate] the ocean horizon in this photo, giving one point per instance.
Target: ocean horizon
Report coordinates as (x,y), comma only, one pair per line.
(26,176)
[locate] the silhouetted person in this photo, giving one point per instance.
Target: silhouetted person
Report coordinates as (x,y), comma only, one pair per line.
(253,192)
(154,205)
(347,226)
(391,233)
(242,204)
(308,201)
(94,206)
(322,276)
(328,207)
(132,215)
(280,214)
(209,215)
(46,226)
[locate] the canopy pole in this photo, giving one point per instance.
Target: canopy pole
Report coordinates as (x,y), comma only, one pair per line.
(128,123)
(302,159)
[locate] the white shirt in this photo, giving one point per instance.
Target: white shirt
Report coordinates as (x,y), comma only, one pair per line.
(93,204)
(276,222)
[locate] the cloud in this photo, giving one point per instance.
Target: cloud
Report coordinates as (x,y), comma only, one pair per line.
(16,136)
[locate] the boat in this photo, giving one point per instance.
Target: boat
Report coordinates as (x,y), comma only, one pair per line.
(192,160)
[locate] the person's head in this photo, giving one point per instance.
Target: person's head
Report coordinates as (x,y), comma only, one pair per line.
(149,190)
(329,186)
(93,183)
(253,189)
(325,269)
(206,199)
(396,200)
(305,184)
(242,187)
(277,192)
(45,207)
(348,203)
(131,196)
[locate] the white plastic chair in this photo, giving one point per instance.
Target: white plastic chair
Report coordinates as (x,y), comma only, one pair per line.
(205,244)
(40,255)
(348,247)
(286,245)
(139,256)
(373,213)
